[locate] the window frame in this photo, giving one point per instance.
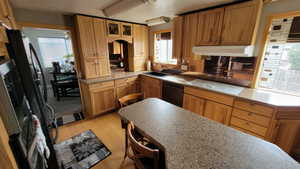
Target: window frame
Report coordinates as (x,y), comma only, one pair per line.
(154,45)
(263,47)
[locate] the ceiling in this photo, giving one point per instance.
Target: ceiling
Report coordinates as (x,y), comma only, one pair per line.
(138,14)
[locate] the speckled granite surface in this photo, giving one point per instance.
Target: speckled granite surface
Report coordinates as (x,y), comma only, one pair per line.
(257,95)
(194,142)
(114,76)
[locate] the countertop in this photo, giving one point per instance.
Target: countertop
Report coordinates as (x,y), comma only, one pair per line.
(113,76)
(256,95)
(194,142)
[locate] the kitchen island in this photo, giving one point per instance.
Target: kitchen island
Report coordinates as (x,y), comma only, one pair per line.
(194,142)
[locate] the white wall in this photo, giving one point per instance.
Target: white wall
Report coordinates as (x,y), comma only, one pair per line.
(42,17)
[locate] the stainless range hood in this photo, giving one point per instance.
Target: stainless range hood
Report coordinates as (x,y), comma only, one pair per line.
(238,51)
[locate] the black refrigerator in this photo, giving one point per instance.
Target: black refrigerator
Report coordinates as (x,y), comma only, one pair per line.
(24,99)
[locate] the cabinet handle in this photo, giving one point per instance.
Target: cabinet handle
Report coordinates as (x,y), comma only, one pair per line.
(250,114)
(247,123)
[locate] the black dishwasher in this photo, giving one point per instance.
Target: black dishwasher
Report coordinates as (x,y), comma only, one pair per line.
(172,93)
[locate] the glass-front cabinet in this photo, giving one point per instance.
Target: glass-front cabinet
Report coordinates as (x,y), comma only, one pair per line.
(126,29)
(119,29)
(113,28)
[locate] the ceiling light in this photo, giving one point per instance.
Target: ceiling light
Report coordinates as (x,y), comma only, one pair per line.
(123,5)
(158,21)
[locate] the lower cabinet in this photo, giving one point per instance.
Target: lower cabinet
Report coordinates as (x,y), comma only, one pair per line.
(217,112)
(103,96)
(102,100)
(151,87)
(193,104)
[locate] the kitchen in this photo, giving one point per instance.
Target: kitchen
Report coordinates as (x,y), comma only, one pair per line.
(217,64)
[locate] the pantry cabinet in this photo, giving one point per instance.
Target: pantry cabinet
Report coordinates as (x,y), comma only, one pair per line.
(93,48)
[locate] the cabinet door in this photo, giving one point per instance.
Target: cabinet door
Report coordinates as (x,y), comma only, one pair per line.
(126,30)
(140,48)
(113,28)
(6,15)
(177,37)
(102,100)
(151,87)
(218,112)
(193,104)
(209,27)
(101,47)
(91,68)
(189,35)
(239,23)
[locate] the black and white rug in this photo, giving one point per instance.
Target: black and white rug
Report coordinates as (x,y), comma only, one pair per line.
(81,151)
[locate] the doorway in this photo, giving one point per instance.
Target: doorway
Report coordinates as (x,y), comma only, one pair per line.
(56,54)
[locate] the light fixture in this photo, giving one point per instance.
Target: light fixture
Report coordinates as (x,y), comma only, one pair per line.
(158,21)
(123,5)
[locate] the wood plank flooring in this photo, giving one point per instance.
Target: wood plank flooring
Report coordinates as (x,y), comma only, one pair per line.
(107,128)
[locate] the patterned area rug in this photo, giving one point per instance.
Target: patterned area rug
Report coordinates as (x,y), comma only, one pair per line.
(81,151)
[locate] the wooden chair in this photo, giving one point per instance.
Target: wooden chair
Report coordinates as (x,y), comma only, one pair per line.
(125,100)
(143,157)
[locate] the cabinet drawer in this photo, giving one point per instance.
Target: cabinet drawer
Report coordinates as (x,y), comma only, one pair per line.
(246,131)
(254,107)
(101,85)
(248,126)
(120,82)
(132,79)
(252,117)
(3,37)
(217,97)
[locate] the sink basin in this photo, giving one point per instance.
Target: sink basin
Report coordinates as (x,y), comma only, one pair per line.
(156,74)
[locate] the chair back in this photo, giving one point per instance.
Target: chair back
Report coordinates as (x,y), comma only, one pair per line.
(123,101)
(140,151)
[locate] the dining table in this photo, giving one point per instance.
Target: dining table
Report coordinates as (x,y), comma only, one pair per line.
(191,141)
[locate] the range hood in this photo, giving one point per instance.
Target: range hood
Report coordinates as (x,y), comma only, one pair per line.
(238,51)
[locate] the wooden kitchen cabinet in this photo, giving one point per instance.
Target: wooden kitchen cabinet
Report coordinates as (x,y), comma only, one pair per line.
(93,48)
(210,27)
(113,28)
(217,112)
(126,30)
(151,87)
(177,36)
(240,23)
(193,104)
(6,15)
(190,28)
(140,48)
(127,86)
(103,100)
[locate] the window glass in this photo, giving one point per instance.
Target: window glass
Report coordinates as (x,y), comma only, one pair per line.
(55,50)
(281,65)
(163,48)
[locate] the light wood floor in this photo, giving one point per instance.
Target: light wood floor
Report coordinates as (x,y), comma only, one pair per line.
(107,128)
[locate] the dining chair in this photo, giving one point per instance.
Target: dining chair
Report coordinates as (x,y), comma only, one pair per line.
(143,156)
(131,98)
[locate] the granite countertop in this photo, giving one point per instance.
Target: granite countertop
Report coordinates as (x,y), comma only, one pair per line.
(113,76)
(257,95)
(191,141)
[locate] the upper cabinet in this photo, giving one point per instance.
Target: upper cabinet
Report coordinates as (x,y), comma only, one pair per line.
(119,29)
(93,48)
(210,27)
(126,30)
(177,36)
(240,23)
(190,27)
(140,48)
(113,28)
